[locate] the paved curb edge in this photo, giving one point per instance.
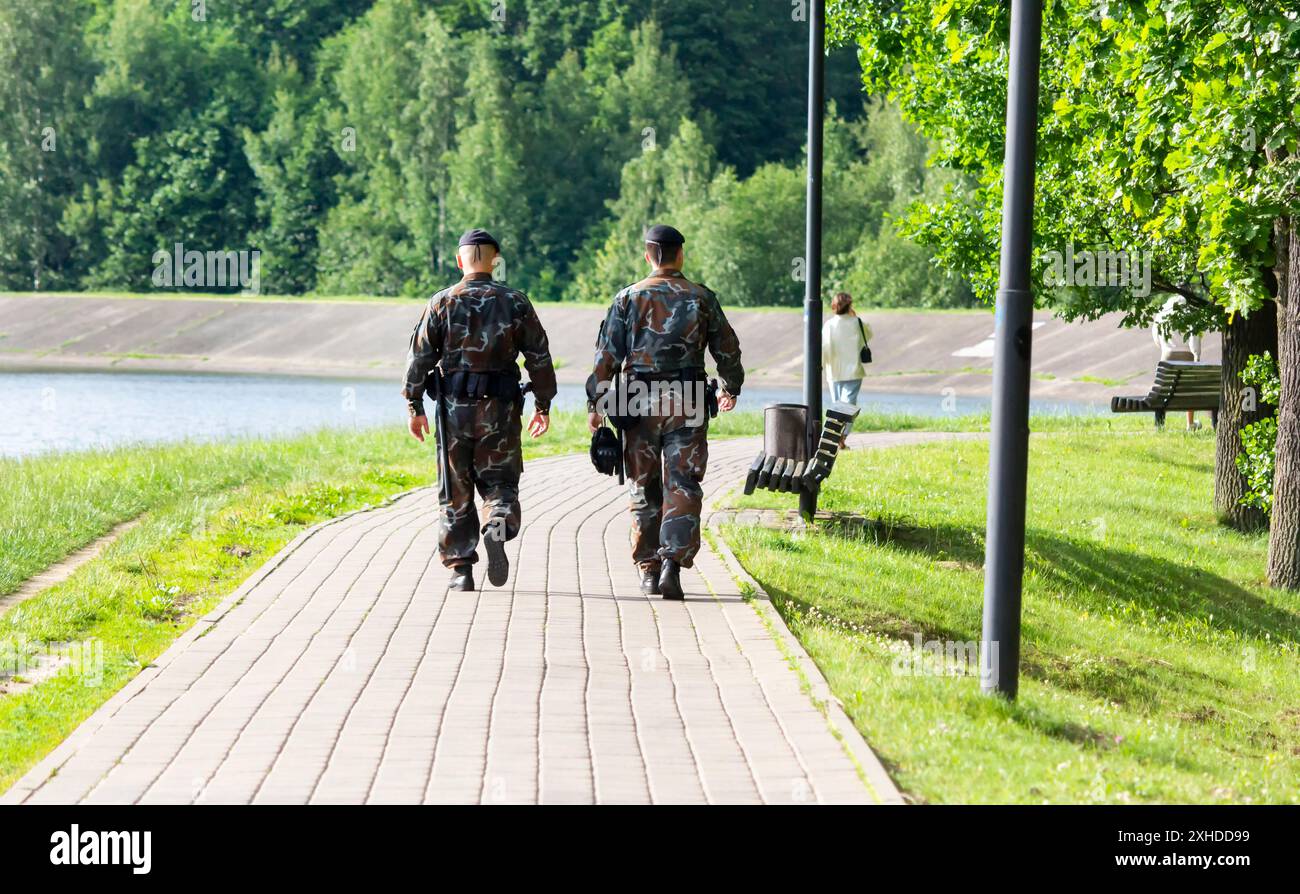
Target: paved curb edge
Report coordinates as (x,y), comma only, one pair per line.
(871,770)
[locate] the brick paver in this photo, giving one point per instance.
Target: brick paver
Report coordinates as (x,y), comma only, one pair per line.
(344,672)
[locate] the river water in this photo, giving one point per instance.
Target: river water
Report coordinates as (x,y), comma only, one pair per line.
(56,411)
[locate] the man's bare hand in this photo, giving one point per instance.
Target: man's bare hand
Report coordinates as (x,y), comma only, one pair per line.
(726,403)
(419,426)
(594,421)
(539,425)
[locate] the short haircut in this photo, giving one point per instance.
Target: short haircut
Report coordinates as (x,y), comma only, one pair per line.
(842,303)
(478,250)
(661,253)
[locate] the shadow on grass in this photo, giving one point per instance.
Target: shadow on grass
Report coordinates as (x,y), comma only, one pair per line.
(1098,578)
(795,609)
(1094,573)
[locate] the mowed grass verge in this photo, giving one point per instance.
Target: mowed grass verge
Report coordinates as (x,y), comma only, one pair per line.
(1157,666)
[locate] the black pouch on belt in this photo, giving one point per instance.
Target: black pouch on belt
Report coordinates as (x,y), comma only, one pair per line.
(622,421)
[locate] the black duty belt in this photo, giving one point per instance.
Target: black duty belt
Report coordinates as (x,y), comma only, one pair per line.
(481,385)
(695,374)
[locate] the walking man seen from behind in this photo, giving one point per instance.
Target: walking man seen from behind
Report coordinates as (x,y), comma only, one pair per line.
(655,334)
(464,354)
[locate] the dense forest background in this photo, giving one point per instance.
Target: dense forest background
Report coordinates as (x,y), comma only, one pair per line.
(351,141)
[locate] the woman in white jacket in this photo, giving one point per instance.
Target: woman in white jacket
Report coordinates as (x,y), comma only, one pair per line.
(843,338)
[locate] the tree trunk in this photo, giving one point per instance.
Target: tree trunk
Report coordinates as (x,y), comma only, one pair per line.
(1284,536)
(1243,336)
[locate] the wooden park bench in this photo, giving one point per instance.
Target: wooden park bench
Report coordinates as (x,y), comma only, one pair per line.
(1180,385)
(793,474)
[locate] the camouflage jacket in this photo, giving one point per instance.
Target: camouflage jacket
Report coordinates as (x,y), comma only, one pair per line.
(663,324)
(479,325)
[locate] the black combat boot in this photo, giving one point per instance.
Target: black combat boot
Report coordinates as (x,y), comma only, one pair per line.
(462,578)
(670,582)
(650,582)
(498,564)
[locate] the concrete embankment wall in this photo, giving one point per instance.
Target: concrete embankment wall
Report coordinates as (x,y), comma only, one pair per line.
(914,351)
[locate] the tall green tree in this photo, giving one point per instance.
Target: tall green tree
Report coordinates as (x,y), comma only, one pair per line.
(374,68)
(45,69)
(1167,130)
(613,260)
(295,164)
(424,153)
(747,64)
(351,141)
(568,168)
(553,28)
(291,30)
(171,98)
(489,187)
(883,268)
(643,101)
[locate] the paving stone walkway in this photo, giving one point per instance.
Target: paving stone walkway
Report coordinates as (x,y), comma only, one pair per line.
(344,672)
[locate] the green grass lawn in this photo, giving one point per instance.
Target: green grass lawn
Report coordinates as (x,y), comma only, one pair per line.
(1157,665)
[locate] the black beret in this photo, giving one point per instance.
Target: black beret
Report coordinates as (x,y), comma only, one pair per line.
(479,237)
(662,234)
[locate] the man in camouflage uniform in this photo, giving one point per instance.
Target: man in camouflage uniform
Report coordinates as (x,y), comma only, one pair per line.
(468,339)
(656,332)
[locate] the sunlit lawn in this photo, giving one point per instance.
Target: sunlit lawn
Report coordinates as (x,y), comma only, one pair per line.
(1157,665)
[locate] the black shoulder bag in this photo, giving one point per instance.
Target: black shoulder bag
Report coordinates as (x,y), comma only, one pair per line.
(865,354)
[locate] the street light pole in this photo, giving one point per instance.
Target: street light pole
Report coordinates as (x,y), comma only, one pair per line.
(812,300)
(1004,561)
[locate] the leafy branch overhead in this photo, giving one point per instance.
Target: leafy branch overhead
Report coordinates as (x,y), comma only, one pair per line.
(1166,126)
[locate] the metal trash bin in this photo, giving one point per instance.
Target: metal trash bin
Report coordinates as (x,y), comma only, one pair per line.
(788,463)
(785,431)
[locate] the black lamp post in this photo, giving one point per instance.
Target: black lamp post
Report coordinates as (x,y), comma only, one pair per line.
(1009,447)
(1004,561)
(812,300)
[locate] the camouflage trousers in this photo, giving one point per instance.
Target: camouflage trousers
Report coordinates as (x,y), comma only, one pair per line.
(485,455)
(665,461)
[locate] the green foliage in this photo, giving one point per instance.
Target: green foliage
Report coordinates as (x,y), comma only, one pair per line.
(176,172)
(1259,439)
(885,268)
(350,142)
(676,183)
(374,73)
(295,173)
(1166,126)
(1261,373)
(44,73)
(1256,461)
(746,64)
(746,236)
